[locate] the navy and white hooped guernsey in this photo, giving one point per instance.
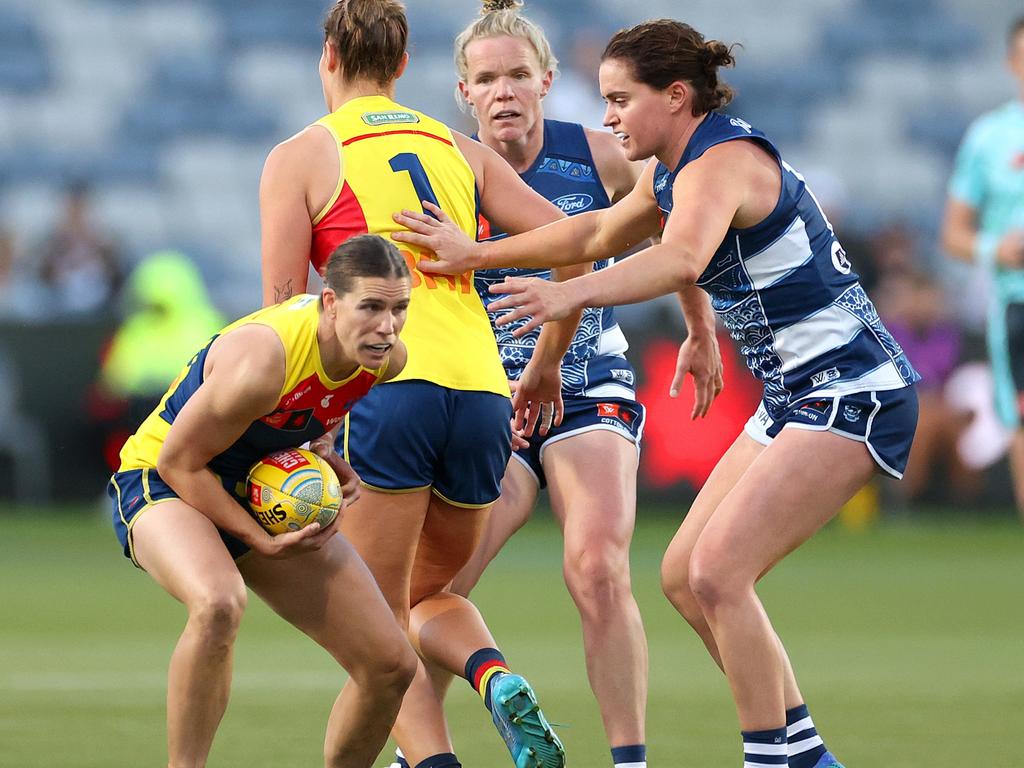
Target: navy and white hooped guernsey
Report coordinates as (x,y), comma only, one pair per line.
(564,173)
(787,293)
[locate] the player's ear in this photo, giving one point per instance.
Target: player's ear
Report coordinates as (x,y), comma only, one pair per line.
(329,301)
(679,95)
(464,92)
(545,83)
(330,56)
(402,65)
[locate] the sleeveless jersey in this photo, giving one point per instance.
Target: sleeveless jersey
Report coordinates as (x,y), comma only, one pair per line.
(393,158)
(310,404)
(564,173)
(787,293)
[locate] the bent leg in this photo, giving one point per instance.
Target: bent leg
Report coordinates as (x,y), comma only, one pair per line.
(183,552)
(385,528)
(508,514)
(777,504)
(675,565)
(332,597)
(445,629)
(595,502)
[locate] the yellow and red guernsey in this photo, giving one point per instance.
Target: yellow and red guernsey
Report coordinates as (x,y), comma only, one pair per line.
(392,158)
(310,404)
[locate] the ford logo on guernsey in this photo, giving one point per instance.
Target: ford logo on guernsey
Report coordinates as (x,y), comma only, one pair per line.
(574,203)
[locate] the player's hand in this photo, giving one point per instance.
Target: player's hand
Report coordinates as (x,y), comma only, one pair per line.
(700,357)
(434,231)
(534,299)
(295,543)
(537,398)
(348,477)
(1010,251)
(519,441)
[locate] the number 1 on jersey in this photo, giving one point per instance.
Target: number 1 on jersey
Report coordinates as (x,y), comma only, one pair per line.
(411,164)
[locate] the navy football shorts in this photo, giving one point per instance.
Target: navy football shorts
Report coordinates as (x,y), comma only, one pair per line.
(585,414)
(884,421)
(134,491)
(409,435)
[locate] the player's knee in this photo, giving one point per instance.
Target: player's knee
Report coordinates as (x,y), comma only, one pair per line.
(218,613)
(709,582)
(391,670)
(675,584)
(598,574)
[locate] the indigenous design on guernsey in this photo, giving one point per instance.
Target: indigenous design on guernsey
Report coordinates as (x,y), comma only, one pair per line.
(392,158)
(564,173)
(311,403)
(787,293)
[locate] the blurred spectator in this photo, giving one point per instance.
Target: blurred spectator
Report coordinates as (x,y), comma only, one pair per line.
(80,265)
(984,224)
(22,441)
(20,294)
(893,251)
(169,315)
(915,311)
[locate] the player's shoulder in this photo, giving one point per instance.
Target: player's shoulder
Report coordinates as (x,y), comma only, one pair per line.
(988,124)
(305,147)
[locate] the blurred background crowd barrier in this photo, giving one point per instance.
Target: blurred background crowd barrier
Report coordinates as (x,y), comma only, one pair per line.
(132,134)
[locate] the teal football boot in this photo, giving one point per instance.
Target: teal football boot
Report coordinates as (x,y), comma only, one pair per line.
(828,760)
(522,725)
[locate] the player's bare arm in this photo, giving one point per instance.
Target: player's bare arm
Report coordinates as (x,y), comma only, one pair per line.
(699,355)
(960,237)
(242,382)
(298,179)
(584,238)
(708,196)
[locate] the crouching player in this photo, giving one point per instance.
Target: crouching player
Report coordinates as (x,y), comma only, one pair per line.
(272,380)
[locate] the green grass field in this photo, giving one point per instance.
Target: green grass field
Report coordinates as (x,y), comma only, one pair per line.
(907,640)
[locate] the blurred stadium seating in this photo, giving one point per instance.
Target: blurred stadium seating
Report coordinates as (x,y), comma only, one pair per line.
(170,109)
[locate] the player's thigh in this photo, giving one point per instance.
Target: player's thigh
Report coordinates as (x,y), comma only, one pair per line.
(592,483)
(184,553)
(723,478)
(789,491)
(331,596)
(385,530)
(450,535)
(512,509)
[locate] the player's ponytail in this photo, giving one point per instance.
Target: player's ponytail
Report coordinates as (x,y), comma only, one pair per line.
(501,18)
(363,256)
(665,51)
(489,6)
(369,36)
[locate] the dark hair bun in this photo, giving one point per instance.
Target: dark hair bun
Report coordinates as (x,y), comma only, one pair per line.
(491,6)
(718,54)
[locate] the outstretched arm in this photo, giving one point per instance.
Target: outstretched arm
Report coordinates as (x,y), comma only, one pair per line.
(707,195)
(508,202)
(580,239)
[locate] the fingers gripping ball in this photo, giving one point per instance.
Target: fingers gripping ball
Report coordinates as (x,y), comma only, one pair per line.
(288,490)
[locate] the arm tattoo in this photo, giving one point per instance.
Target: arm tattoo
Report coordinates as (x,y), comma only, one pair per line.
(283,291)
